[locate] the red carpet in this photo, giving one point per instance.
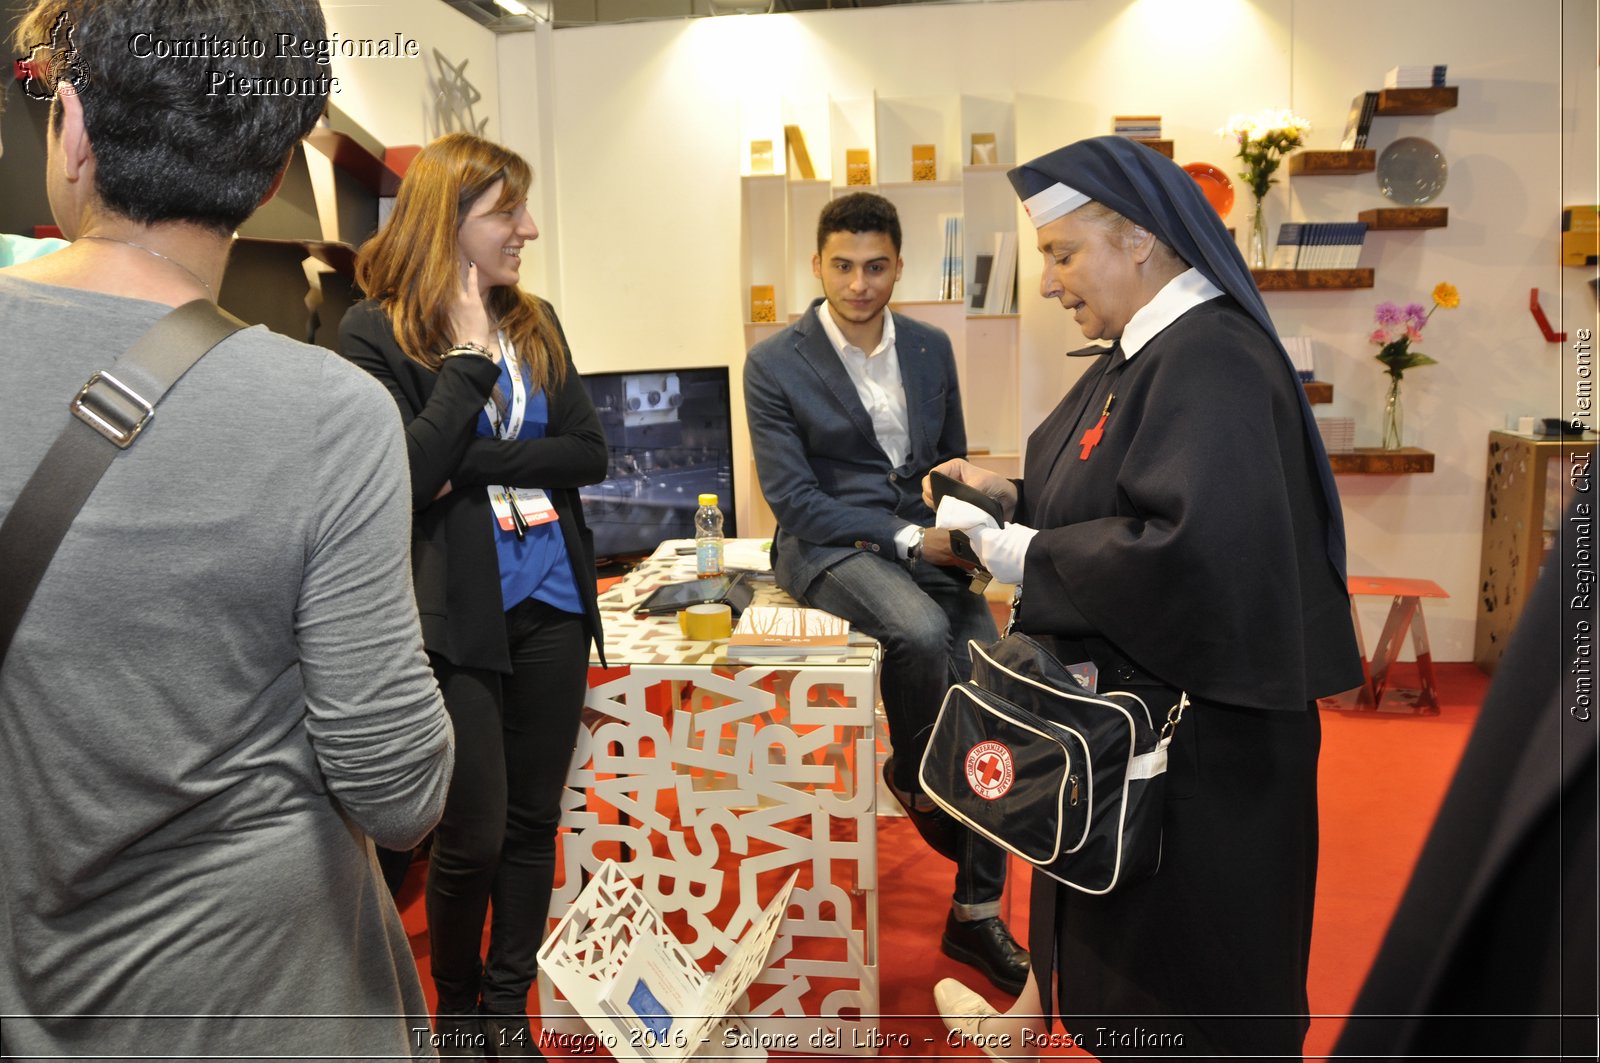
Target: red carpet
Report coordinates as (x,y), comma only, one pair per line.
(1381,781)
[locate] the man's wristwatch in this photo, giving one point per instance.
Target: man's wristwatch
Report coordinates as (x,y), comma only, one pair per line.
(914,548)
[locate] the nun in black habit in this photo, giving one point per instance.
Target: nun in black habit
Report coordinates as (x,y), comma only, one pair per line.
(1177,524)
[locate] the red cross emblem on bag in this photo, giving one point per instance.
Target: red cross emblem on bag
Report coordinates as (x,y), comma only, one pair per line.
(990,770)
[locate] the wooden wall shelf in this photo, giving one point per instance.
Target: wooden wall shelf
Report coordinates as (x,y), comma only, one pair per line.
(1320,163)
(1380,219)
(1394,102)
(1163,147)
(1309,280)
(1318,392)
(1380,462)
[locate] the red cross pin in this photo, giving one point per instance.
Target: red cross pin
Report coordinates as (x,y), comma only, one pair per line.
(1091,437)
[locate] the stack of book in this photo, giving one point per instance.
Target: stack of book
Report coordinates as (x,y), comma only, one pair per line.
(777,631)
(1359,124)
(1338,434)
(1319,245)
(994,278)
(951,275)
(1137,126)
(1415,77)
(1299,348)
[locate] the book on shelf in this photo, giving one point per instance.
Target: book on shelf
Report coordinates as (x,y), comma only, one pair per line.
(1299,350)
(1287,251)
(982,266)
(985,152)
(1415,76)
(1359,123)
(778,631)
(763,303)
(924,163)
(797,147)
(857,166)
(1000,297)
(952,277)
(1319,245)
(760,156)
(1137,126)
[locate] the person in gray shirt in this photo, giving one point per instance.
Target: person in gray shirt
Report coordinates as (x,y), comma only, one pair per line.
(218,696)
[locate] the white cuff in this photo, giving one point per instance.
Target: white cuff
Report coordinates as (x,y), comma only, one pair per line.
(903,539)
(961,516)
(1004,550)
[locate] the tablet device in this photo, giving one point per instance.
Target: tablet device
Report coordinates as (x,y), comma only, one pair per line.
(942,485)
(671,597)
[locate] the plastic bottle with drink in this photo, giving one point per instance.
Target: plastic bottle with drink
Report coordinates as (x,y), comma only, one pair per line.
(708,538)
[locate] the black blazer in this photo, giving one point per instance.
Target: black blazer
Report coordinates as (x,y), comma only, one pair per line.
(453,557)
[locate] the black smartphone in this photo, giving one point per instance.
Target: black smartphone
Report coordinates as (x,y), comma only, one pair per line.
(961,546)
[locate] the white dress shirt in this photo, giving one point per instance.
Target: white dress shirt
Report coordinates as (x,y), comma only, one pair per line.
(876,376)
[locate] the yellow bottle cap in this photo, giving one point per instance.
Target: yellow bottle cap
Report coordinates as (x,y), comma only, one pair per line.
(708,500)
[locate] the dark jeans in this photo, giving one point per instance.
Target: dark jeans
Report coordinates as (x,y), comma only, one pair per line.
(514,740)
(923,617)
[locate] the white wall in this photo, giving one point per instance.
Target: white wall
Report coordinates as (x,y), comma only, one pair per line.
(401,101)
(642,123)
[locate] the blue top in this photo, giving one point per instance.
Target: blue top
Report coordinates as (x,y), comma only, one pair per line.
(536,566)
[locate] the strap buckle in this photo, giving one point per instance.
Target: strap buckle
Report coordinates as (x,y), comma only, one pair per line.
(1174,715)
(119,421)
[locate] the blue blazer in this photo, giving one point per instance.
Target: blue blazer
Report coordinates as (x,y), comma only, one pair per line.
(828,481)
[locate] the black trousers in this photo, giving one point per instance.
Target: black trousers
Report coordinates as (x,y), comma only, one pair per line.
(496,842)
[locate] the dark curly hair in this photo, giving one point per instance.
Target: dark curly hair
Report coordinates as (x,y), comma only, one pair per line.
(859,212)
(196,139)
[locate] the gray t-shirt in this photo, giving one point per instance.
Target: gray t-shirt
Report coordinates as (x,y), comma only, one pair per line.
(217,691)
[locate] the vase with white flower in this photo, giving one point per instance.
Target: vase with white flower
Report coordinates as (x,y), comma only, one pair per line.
(1398,328)
(1263,139)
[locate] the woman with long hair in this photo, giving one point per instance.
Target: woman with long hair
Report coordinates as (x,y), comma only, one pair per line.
(501,434)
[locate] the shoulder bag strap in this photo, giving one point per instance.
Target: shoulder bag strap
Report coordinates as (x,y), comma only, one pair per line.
(108,414)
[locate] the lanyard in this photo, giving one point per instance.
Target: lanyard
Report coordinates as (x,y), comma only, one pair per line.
(519,394)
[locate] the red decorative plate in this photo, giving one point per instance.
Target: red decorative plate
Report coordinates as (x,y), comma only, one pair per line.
(1214,183)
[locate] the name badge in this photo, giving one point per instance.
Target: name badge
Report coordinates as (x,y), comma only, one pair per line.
(531,504)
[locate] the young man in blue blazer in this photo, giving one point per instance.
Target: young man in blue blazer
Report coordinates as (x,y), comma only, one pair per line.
(849,407)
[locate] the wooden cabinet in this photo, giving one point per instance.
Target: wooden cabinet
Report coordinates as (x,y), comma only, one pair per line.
(1521,512)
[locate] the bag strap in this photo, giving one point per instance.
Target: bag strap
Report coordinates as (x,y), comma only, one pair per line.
(108,413)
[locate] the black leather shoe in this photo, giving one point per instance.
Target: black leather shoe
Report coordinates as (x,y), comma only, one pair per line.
(943,834)
(987,945)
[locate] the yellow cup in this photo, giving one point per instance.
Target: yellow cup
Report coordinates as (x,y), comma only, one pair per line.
(705,622)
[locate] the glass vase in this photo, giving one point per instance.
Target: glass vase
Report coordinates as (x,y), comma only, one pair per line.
(1394,418)
(1256,251)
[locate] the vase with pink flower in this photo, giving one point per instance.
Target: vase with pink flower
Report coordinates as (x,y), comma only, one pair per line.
(1398,328)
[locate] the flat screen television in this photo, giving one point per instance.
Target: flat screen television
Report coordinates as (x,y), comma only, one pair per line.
(670,435)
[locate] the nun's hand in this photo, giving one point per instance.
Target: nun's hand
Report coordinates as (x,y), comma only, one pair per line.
(1004,550)
(992,484)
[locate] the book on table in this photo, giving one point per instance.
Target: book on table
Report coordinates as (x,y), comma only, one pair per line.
(777,631)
